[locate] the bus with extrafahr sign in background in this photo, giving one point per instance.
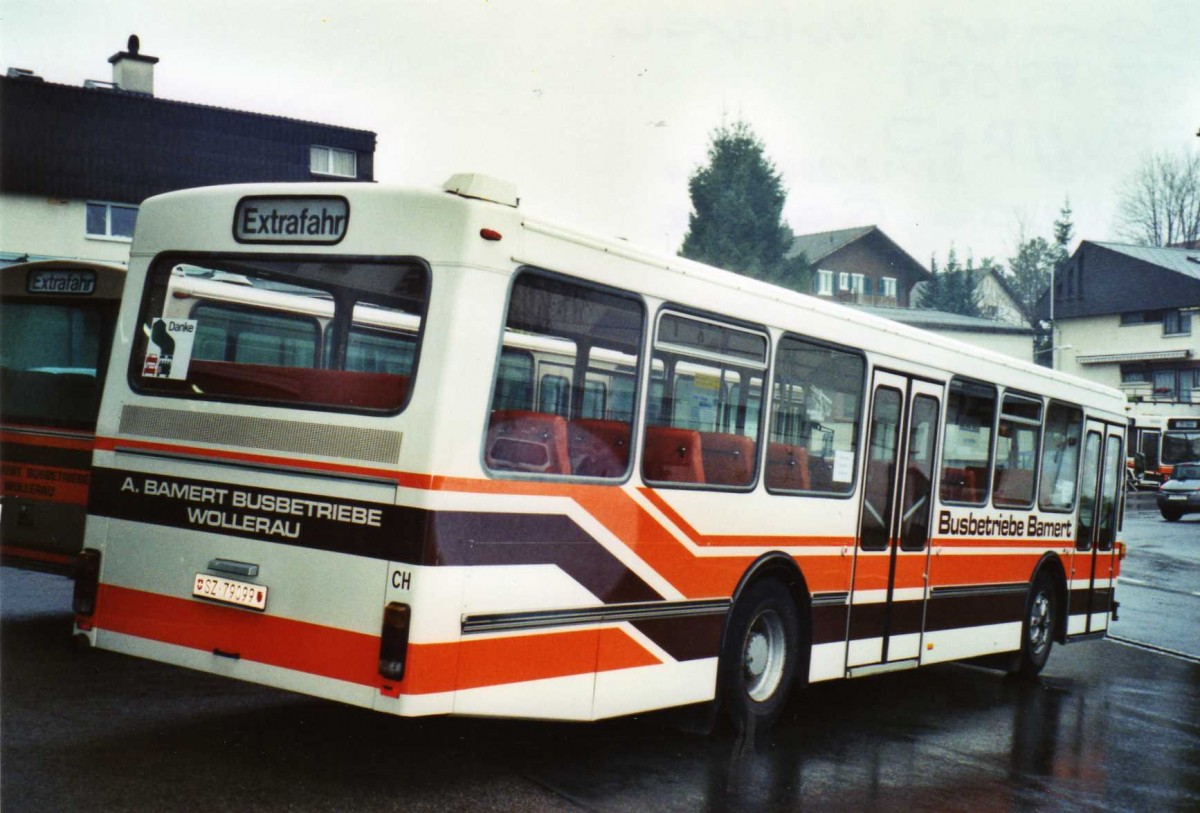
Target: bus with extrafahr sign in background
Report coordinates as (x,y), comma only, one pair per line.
(56,326)
(428,454)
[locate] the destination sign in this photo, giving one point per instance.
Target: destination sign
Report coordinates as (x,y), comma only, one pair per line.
(294,220)
(80,283)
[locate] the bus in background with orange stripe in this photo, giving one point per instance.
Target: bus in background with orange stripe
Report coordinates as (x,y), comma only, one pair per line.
(56,326)
(420,452)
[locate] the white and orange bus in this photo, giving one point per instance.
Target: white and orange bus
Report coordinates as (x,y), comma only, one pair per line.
(56,326)
(1164,442)
(419,452)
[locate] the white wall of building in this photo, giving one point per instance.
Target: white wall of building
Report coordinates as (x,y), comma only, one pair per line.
(1011,344)
(1104,335)
(995,302)
(54,227)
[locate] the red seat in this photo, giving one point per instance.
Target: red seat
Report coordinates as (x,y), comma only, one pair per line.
(958,485)
(787,467)
(519,440)
(302,385)
(672,455)
(598,448)
(728,459)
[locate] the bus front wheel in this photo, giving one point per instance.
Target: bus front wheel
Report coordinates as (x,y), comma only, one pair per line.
(1038,627)
(758,663)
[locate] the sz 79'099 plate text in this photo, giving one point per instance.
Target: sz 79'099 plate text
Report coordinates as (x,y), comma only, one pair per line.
(228,591)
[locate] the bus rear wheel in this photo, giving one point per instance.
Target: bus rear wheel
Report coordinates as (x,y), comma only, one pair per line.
(758,663)
(1038,627)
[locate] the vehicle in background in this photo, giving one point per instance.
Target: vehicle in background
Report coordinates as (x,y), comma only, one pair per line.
(1181,494)
(56,326)
(1157,443)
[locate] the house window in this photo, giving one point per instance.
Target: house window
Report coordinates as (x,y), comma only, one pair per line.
(843,280)
(857,283)
(332,161)
(887,287)
(111,220)
(1142,317)
(1164,384)
(1135,375)
(824,282)
(1176,323)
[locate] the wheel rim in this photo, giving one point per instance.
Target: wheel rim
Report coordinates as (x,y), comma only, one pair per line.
(763,655)
(1039,623)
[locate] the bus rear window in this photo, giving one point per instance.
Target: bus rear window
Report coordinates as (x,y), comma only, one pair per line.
(336,334)
(49,355)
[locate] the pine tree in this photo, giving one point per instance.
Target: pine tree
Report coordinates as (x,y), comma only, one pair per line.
(737,207)
(951,289)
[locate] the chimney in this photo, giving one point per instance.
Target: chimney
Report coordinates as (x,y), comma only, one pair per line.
(133,72)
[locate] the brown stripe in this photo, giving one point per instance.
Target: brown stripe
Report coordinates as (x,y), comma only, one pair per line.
(469,538)
(829,623)
(45,455)
(686,639)
(957,611)
(1101,600)
(867,620)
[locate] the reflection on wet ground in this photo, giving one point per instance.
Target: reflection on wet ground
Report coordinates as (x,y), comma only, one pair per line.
(1106,728)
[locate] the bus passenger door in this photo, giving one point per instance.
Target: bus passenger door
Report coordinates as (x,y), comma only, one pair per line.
(887,600)
(1094,562)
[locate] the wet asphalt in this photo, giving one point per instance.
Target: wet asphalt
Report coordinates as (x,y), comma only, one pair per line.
(1110,725)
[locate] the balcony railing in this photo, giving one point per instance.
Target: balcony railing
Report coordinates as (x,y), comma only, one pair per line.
(1149,394)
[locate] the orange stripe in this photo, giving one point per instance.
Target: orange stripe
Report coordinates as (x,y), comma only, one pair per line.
(354,657)
(644,535)
(37,555)
(982,569)
(734,540)
(47,436)
(405,479)
(1002,542)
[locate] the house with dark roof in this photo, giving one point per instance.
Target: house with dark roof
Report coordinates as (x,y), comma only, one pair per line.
(1129,316)
(77,161)
(860,265)
(864,268)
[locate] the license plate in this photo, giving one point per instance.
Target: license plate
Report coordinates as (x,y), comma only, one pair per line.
(1177,497)
(228,591)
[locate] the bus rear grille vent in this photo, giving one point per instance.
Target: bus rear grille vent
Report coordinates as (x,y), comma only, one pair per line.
(268,434)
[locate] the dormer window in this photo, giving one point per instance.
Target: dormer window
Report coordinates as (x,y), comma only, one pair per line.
(334,162)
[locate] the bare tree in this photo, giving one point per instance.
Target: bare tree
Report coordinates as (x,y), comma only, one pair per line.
(1160,202)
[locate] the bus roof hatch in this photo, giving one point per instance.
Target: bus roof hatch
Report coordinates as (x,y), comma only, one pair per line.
(483,187)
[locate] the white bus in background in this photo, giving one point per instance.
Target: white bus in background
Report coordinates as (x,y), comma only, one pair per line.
(419,452)
(1163,443)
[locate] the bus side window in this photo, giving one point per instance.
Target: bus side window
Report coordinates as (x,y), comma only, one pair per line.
(1016,451)
(589,337)
(816,406)
(970,416)
(1060,458)
(702,423)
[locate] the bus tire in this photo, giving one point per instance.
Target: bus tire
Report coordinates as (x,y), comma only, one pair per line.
(758,663)
(1039,626)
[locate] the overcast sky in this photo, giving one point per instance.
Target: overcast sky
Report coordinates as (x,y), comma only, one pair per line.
(941,122)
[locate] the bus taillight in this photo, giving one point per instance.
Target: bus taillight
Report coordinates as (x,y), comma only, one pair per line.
(87,584)
(393,643)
